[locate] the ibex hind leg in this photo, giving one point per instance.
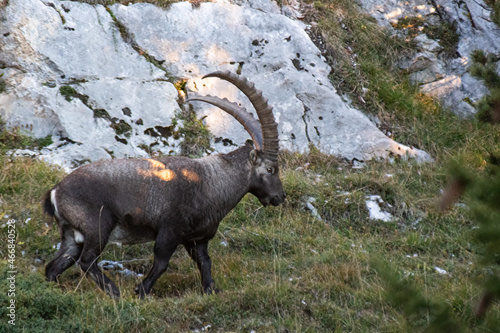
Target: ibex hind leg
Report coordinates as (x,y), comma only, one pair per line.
(94,243)
(67,256)
(165,246)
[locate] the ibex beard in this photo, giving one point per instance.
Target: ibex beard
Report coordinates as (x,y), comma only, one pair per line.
(170,200)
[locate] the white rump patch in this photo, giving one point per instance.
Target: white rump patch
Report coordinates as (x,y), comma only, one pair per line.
(54,202)
(78,236)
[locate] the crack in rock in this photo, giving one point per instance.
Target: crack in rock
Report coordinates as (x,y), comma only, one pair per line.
(128,37)
(306,110)
(130,84)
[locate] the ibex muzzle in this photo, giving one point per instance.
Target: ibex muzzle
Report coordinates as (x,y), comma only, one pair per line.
(169,200)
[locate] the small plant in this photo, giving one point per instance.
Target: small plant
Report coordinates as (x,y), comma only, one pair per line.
(122,127)
(145,147)
(101,113)
(68,92)
(484,68)
(3,84)
(411,25)
(495,13)
(445,32)
(447,35)
(195,134)
(43,142)
(180,85)
(14,139)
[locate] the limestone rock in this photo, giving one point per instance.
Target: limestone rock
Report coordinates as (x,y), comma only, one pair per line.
(427,44)
(390,11)
(50,45)
(277,55)
(119,65)
(425,68)
(456,88)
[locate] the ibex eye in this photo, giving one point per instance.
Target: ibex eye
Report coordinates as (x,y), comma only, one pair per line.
(270,170)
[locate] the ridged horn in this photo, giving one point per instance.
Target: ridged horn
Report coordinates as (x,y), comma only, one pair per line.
(251,125)
(264,111)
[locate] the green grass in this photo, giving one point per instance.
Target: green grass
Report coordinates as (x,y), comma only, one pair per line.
(280,268)
(16,139)
(444,31)
(411,117)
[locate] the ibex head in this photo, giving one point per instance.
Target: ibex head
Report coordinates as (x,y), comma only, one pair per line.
(265,182)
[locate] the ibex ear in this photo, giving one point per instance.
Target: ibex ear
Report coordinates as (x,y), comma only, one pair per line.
(254,156)
(249,143)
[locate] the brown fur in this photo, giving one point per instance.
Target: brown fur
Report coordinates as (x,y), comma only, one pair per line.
(170,200)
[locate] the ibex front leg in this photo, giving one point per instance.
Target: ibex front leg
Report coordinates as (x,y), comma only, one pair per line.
(199,253)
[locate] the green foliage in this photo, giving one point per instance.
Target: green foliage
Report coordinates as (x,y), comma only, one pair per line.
(444,31)
(122,127)
(488,108)
(411,117)
(196,136)
(483,195)
(40,306)
(180,85)
(495,13)
(27,178)
(15,139)
(484,68)
(447,35)
(410,24)
(68,92)
(421,313)
(3,84)
(43,142)
(101,113)
(484,189)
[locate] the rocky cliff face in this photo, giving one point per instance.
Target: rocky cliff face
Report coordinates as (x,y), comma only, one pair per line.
(441,64)
(100,81)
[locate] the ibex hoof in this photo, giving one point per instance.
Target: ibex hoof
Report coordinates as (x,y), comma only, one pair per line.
(140,292)
(113,292)
(212,291)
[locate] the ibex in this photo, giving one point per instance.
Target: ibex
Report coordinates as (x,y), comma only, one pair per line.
(168,200)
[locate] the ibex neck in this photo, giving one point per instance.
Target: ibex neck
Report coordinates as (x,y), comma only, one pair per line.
(228,177)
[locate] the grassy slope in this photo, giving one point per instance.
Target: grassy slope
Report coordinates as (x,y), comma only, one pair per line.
(281,269)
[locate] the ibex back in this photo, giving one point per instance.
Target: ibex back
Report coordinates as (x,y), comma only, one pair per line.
(168,200)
